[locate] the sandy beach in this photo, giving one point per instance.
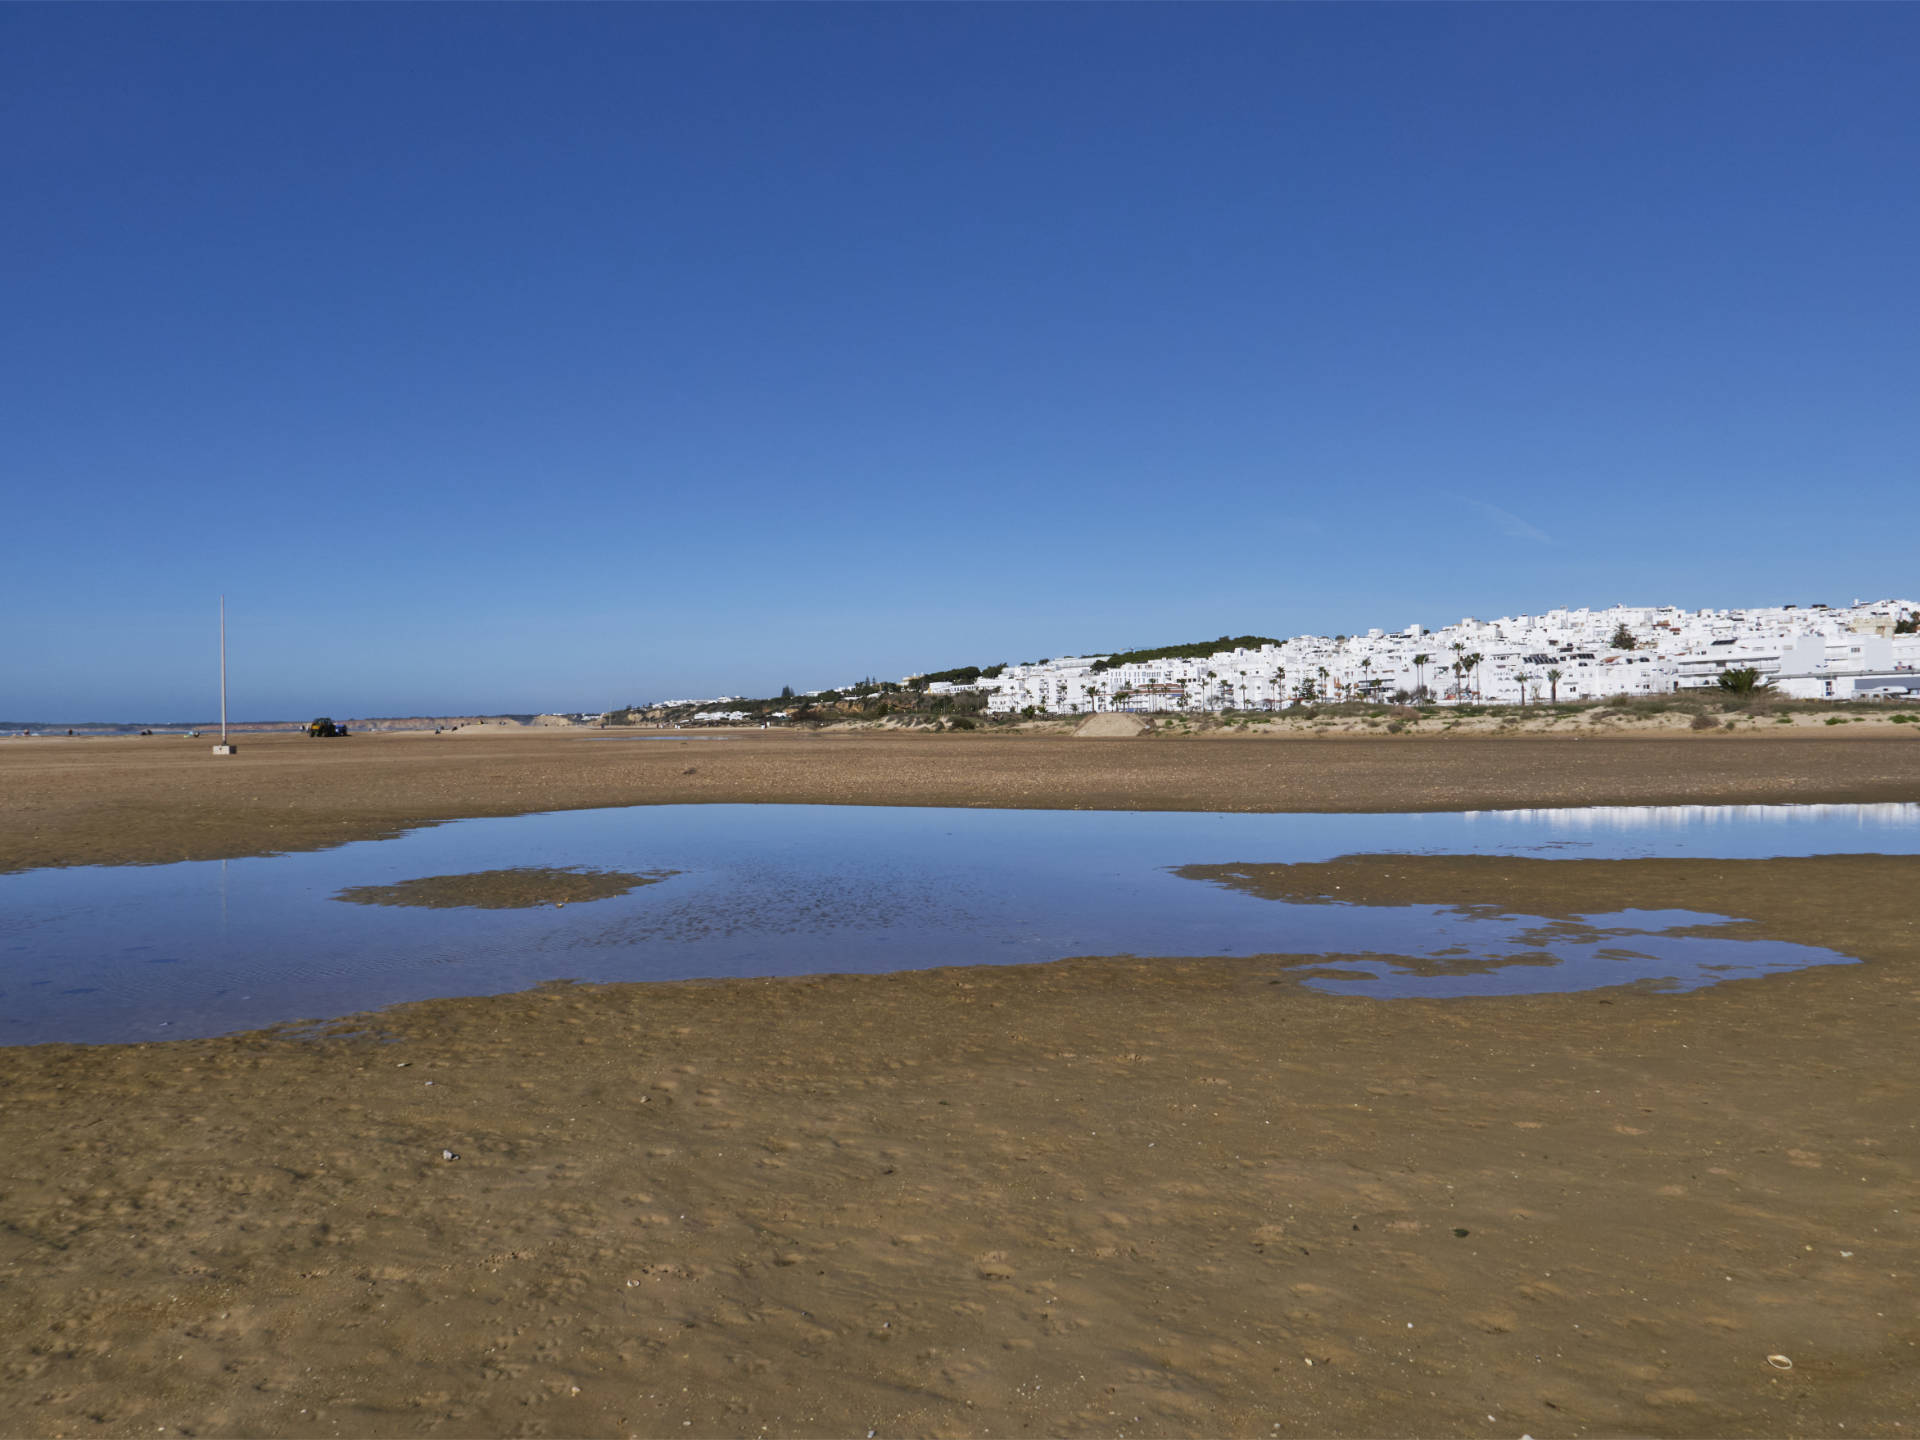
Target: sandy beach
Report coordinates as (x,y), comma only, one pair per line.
(1113,1195)
(155,800)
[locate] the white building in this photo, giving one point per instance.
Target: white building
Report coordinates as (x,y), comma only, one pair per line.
(1563,654)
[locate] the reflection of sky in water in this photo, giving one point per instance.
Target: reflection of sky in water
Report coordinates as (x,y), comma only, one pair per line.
(155,952)
(1834,820)
(1527,955)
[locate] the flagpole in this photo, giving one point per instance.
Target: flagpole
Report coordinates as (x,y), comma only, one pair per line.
(223,669)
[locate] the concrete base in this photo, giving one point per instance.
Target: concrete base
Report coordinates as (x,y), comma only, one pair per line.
(225,749)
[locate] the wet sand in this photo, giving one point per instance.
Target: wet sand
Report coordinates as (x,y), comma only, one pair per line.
(522,887)
(159,799)
(1085,1198)
(1104,1196)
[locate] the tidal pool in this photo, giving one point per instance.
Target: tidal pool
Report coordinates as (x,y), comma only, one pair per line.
(97,954)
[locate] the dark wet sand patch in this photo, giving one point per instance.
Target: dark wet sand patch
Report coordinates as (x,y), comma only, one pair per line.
(518,888)
(1840,889)
(1582,902)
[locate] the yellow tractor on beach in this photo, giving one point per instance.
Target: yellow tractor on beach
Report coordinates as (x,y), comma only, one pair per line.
(325,729)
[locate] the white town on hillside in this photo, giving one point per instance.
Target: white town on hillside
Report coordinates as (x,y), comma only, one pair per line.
(1866,650)
(1820,652)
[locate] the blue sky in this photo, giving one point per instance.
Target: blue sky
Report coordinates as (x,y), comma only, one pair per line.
(518,357)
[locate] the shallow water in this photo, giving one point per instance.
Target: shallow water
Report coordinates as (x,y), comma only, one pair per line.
(202,948)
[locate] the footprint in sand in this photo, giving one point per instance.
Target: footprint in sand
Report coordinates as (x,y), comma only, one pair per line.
(993,1266)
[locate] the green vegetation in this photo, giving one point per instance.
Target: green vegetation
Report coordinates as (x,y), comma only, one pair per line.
(1742,681)
(962,675)
(1199,650)
(1623,638)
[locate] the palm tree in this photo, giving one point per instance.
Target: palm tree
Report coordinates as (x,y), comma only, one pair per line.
(1366,674)
(1473,659)
(1420,663)
(1553,683)
(1523,677)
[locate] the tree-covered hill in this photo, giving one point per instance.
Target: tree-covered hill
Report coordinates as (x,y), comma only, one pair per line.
(1199,650)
